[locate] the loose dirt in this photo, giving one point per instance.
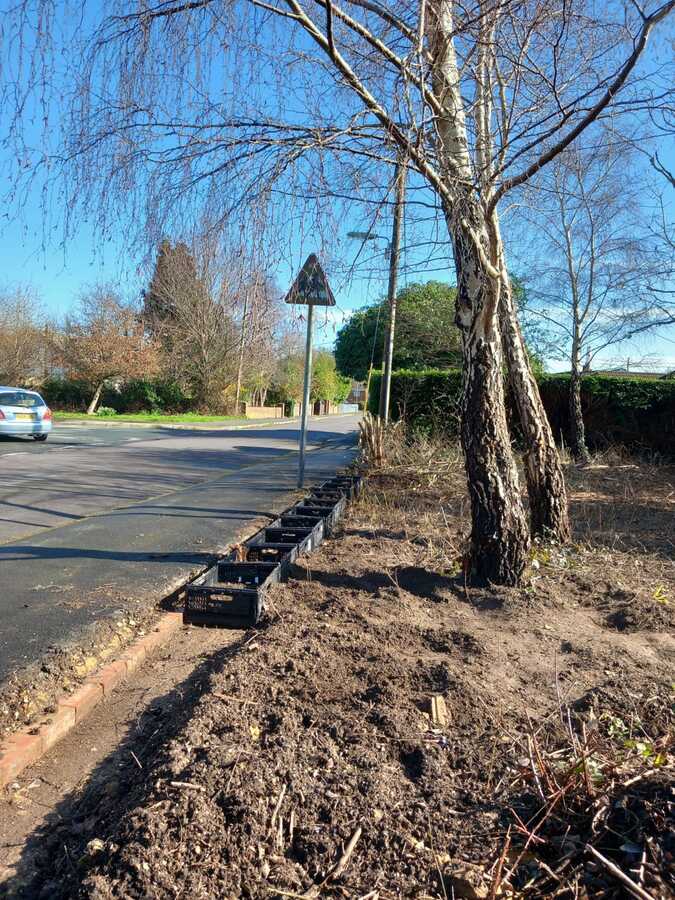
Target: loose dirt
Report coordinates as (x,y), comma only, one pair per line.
(304,761)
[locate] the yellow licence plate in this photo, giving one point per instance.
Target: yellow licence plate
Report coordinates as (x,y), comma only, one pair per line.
(25,417)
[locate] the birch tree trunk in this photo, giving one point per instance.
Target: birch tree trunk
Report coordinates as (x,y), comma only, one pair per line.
(500,535)
(543,472)
(577,426)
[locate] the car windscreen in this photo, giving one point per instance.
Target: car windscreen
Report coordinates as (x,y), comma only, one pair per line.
(20,398)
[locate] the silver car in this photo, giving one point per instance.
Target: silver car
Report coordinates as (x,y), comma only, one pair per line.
(24,412)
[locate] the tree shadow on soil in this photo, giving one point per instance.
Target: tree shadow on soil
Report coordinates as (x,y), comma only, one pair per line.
(624,507)
(374,534)
(45,868)
(628,525)
(423,583)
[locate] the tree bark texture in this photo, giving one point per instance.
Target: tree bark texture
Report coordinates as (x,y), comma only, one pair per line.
(499,532)
(546,490)
(499,535)
(577,426)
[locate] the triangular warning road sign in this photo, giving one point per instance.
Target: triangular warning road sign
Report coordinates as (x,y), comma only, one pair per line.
(311,286)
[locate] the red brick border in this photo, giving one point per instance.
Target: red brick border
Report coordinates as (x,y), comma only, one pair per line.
(25,747)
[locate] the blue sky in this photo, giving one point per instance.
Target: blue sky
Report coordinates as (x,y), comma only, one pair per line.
(59,272)
(32,254)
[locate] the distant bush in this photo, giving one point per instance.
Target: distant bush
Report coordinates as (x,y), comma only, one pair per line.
(172,397)
(66,393)
(638,413)
(105,412)
(136,395)
(154,395)
(428,399)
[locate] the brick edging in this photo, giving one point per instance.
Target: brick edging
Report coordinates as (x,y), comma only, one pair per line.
(25,747)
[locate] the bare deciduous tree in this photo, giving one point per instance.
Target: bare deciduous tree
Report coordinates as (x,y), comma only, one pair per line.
(23,343)
(594,271)
(212,313)
(260,325)
(105,339)
(229,100)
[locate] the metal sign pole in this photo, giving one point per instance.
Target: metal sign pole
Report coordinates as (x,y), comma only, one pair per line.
(305,394)
(309,289)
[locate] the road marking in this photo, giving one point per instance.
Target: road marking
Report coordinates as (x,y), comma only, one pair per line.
(16,453)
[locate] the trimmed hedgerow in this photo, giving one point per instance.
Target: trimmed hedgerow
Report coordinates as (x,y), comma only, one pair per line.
(633,412)
(428,399)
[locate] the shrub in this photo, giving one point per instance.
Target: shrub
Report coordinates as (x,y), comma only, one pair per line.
(172,397)
(638,413)
(66,393)
(136,395)
(105,412)
(155,395)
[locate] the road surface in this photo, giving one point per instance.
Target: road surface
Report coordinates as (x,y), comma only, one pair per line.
(106,516)
(85,470)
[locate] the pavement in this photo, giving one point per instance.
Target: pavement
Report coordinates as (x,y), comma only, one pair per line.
(101,518)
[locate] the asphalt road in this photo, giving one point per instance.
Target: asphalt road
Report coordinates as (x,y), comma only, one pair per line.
(85,470)
(87,529)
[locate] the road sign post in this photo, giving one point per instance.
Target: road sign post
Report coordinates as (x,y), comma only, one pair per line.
(305,394)
(310,289)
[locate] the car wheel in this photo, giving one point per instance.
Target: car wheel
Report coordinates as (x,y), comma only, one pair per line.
(39,437)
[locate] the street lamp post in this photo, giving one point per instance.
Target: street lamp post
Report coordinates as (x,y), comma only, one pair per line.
(385,387)
(393,253)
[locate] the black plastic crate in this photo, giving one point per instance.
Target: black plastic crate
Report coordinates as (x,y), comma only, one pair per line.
(286,534)
(290,520)
(229,595)
(271,551)
(320,494)
(331,512)
(349,484)
(243,574)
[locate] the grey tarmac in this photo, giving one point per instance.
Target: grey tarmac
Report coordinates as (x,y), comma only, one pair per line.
(126,521)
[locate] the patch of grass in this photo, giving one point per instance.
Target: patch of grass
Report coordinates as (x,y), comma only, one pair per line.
(159,418)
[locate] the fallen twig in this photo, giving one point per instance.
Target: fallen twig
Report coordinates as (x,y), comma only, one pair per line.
(616,871)
(337,869)
(277,807)
(497,880)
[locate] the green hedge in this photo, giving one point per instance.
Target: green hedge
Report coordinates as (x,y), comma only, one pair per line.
(428,399)
(638,413)
(634,412)
(158,395)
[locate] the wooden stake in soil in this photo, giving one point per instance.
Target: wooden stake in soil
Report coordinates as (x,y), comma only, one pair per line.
(439,711)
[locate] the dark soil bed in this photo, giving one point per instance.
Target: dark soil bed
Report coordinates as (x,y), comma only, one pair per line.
(311,764)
